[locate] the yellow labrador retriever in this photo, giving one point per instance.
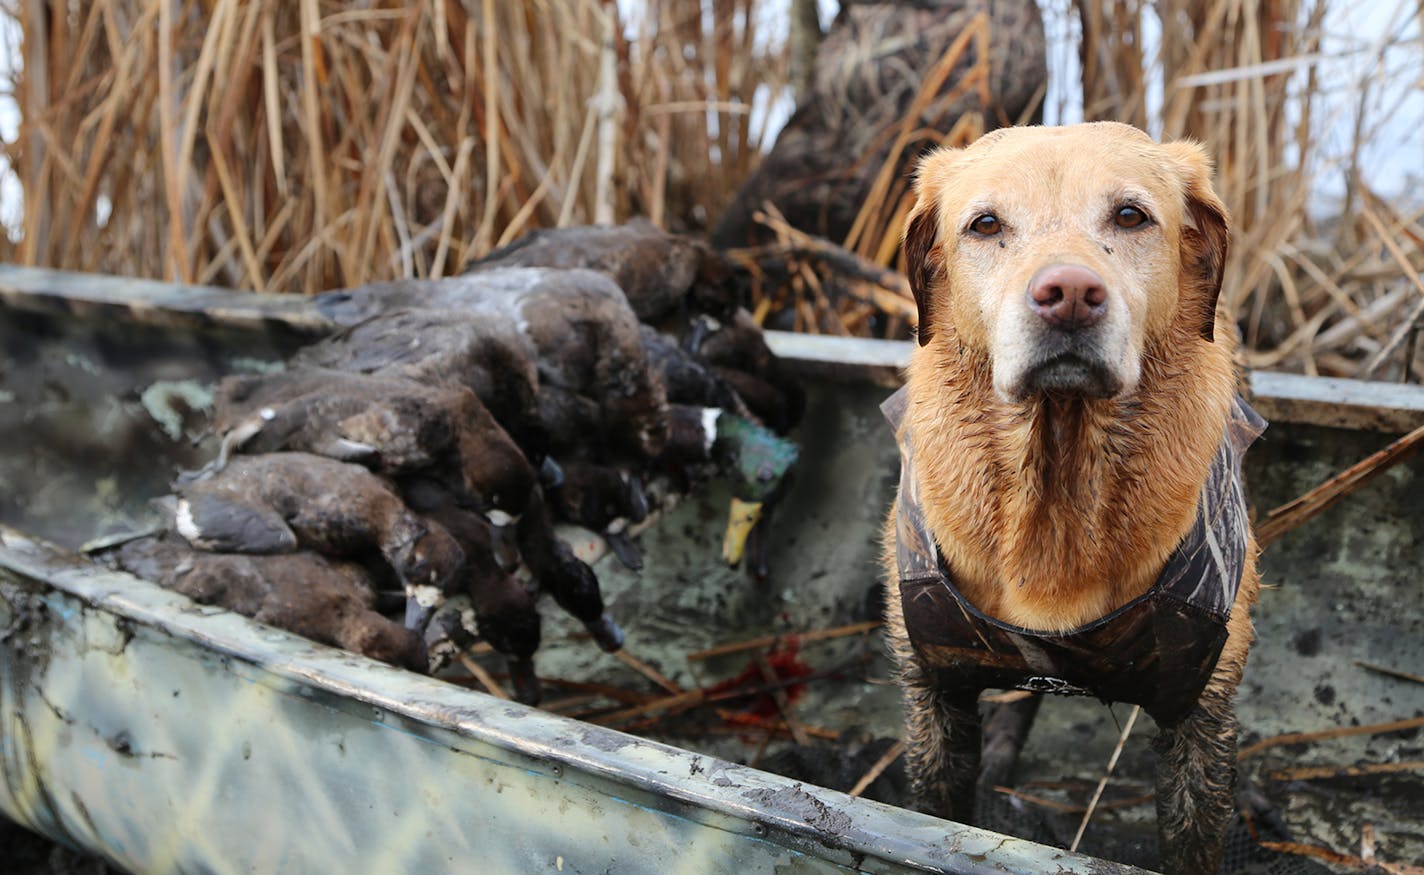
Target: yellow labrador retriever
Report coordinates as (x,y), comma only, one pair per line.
(1070,516)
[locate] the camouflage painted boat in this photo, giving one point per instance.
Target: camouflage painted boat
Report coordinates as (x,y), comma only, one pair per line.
(165,736)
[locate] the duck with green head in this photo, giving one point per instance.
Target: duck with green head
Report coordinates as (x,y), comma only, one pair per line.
(759,463)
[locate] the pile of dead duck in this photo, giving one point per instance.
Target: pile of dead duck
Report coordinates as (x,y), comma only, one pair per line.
(422,454)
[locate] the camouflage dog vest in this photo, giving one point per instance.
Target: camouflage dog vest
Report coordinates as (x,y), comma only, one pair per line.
(1157,651)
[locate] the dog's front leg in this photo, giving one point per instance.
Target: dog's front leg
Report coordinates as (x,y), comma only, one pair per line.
(1196,777)
(942,738)
(1005,732)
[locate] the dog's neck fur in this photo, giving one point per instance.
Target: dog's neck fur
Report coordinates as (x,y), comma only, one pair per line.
(1053,512)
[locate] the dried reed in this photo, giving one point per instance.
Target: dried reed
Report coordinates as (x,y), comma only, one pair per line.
(1243,78)
(1341,297)
(309,145)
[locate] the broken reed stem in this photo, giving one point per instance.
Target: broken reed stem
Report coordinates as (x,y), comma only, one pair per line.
(887,759)
(1392,672)
(783,702)
(607,100)
(666,706)
(1333,732)
(799,245)
(571,706)
(1112,764)
(177,269)
(688,699)
(738,719)
(485,678)
(1299,849)
(1409,273)
(1071,808)
(1314,773)
(647,671)
(769,640)
(1407,329)
(607,691)
(1297,512)
(490,76)
(781,683)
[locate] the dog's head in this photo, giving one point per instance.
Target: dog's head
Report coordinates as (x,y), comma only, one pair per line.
(1060,252)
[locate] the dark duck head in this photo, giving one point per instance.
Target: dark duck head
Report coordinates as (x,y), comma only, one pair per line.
(427,560)
(488,356)
(688,378)
(276,502)
(570,580)
(735,351)
(328,601)
(390,424)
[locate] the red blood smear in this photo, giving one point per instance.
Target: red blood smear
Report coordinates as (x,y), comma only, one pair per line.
(784,665)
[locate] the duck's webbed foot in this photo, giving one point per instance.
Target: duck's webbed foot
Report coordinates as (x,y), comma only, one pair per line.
(623,547)
(551,474)
(420,607)
(606,632)
(527,688)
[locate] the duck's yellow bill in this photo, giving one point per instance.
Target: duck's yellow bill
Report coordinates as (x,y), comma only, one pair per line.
(740,520)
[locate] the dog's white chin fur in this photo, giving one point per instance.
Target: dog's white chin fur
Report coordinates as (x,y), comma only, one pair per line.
(1024,348)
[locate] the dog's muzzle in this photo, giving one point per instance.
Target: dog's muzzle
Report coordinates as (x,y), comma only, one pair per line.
(1068,333)
(1078,369)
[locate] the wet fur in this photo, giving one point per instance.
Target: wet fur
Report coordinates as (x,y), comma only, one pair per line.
(1055,511)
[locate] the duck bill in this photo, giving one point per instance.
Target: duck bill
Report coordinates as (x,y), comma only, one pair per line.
(420,604)
(551,474)
(740,521)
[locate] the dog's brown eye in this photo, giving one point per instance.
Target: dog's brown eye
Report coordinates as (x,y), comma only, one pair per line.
(1129,217)
(986,225)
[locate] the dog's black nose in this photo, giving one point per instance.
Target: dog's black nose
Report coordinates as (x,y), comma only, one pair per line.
(1068,296)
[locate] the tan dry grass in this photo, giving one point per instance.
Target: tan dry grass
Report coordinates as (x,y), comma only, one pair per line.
(1242,78)
(306,145)
(1307,299)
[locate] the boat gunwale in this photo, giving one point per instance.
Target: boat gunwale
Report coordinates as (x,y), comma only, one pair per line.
(735,798)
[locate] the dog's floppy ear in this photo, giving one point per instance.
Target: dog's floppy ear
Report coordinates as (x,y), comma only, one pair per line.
(1206,235)
(923,261)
